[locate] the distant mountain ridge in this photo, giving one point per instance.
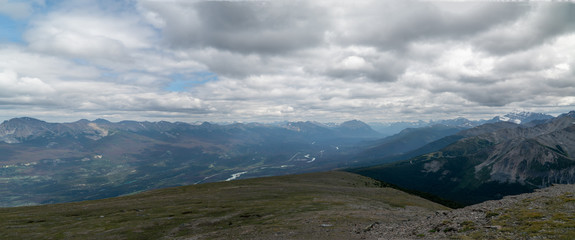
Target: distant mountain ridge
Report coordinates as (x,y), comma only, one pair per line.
(412,142)
(17,130)
(392,128)
(393,148)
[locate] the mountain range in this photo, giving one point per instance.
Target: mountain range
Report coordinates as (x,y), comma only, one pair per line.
(490,161)
(391,128)
(43,162)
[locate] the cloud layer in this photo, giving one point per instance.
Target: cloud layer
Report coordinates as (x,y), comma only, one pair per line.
(286,60)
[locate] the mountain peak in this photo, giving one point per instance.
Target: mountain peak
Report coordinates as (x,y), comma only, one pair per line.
(356,128)
(101,121)
(15,129)
(354,124)
(569,114)
(24,120)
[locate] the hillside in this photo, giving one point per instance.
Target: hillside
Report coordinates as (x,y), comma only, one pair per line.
(332,205)
(329,205)
(393,147)
(492,161)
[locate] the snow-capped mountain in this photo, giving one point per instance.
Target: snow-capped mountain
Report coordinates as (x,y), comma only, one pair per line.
(521,117)
(392,128)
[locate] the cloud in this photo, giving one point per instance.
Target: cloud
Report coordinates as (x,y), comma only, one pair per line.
(17,9)
(55,84)
(391,25)
(46,67)
(284,60)
(545,22)
(378,66)
(270,27)
(12,85)
(88,34)
(538,76)
(233,64)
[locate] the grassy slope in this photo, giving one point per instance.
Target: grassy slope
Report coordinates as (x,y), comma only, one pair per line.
(317,205)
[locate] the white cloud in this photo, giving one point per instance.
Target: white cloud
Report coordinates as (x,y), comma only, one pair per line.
(13,85)
(88,35)
(48,68)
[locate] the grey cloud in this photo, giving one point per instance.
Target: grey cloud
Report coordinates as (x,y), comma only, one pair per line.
(494,92)
(244,27)
(565,83)
(387,69)
(393,24)
(387,24)
(226,63)
(492,98)
(480,80)
(543,23)
(16,10)
(467,18)
(522,63)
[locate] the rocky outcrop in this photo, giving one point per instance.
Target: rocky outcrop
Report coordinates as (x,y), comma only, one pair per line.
(547,212)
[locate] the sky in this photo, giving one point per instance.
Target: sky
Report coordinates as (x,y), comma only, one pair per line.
(264,61)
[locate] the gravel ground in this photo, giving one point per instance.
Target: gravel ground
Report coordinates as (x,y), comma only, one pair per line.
(460,223)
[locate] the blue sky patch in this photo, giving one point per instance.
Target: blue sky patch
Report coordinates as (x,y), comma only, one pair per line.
(11,30)
(183,82)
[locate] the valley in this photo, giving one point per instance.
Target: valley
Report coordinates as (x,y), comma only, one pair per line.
(43,163)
